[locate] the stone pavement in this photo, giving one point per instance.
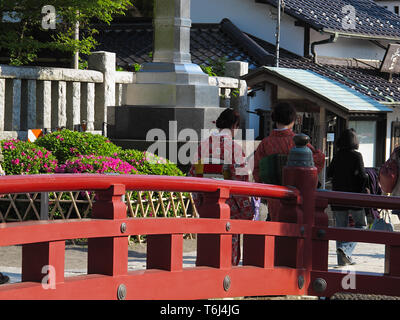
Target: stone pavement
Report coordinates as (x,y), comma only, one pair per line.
(368,258)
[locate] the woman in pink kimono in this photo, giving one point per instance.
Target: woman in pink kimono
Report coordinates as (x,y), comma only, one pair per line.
(220,157)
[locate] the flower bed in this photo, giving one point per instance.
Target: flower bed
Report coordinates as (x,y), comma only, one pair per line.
(23,157)
(67,144)
(77,152)
(96,164)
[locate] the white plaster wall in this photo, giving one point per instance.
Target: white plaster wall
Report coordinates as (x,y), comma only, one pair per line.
(261,100)
(250,17)
(389,4)
(256,19)
(347,48)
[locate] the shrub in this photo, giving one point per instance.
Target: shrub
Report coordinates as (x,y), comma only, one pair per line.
(23,157)
(96,164)
(67,144)
(148,163)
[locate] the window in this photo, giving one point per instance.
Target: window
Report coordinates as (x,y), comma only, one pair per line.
(396,9)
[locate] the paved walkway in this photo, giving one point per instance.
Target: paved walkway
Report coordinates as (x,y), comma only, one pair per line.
(368,258)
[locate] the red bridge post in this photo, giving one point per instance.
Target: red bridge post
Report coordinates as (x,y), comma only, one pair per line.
(109,256)
(392,258)
(215,250)
(43,262)
(320,245)
(300,173)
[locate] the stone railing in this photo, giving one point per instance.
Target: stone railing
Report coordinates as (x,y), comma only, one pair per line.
(52,98)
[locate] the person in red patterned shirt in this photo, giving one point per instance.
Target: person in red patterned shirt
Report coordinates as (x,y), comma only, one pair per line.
(220,153)
(280,141)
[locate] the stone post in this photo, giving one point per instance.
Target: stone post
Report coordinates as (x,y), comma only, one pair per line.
(44,104)
(31,104)
(88,104)
(73,105)
(172,31)
(16,109)
(172,79)
(239,102)
(59,104)
(170,91)
(104,62)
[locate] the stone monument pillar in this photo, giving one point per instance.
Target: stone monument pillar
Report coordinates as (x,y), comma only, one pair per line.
(169,89)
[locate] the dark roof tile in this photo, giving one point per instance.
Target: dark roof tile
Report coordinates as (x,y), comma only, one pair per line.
(370,18)
(133,43)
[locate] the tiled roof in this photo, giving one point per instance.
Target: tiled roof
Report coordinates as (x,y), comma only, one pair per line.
(330,90)
(368,81)
(133,43)
(375,83)
(371,19)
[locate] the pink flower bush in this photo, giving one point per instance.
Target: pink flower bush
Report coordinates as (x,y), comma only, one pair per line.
(23,157)
(80,152)
(96,164)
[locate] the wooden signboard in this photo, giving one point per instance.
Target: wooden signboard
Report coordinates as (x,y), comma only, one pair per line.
(391,60)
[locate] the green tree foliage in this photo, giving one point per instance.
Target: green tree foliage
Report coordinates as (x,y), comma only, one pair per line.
(22,35)
(215,67)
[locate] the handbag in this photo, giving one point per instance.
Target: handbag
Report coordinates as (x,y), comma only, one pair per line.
(383,222)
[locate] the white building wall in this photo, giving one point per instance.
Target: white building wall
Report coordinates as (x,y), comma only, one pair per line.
(260,20)
(250,17)
(390,5)
(347,47)
(261,100)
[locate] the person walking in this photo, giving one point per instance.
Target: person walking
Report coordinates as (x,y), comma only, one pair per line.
(219,156)
(348,174)
(280,142)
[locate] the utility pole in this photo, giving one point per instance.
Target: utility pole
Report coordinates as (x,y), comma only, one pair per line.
(278,33)
(76,54)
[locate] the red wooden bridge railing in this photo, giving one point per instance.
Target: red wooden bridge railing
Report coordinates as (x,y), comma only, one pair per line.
(287,257)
